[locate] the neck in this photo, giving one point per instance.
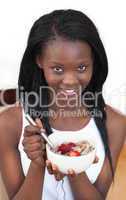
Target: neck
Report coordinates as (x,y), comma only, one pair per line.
(68,113)
(69,120)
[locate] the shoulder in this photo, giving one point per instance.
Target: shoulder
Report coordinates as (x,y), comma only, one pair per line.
(116,127)
(114,112)
(11,124)
(115,119)
(10,160)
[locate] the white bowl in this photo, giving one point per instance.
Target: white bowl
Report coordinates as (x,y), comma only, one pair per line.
(79,163)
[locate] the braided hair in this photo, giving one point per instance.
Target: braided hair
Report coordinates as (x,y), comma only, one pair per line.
(72,25)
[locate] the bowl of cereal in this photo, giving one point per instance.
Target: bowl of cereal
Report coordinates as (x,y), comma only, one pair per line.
(72,151)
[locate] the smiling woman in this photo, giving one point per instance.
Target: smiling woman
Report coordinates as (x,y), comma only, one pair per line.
(65,57)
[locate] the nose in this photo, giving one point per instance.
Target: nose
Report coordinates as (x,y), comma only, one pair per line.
(70,80)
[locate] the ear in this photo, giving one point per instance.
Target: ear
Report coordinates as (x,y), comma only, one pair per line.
(38,61)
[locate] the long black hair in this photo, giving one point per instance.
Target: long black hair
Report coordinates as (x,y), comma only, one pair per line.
(72,25)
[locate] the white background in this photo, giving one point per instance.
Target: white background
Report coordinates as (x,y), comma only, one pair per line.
(17,17)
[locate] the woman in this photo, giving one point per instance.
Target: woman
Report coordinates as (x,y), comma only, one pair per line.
(64,63)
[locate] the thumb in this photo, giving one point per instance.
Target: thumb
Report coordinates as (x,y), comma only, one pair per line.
(39,123)
(96,160)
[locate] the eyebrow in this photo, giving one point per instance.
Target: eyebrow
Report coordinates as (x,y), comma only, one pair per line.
(57,63)
(79,62)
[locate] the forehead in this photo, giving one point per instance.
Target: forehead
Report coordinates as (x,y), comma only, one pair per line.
(65,50)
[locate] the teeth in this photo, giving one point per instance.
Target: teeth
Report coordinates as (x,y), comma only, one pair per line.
(70,91)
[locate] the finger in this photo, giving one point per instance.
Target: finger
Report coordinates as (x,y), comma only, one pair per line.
(35,154)
(58,175)
(39,123)
(71,173)
(55,169)
(61,174)
(32,139)
(31,130)
(33,147)
(96,160)
(49,166)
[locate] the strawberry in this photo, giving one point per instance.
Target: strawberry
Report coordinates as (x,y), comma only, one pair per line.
(73,153)
(71,144)
(64,148)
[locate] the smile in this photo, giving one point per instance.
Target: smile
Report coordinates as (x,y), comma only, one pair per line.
(68,92)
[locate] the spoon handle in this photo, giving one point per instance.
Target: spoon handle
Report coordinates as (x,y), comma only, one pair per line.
(31,121)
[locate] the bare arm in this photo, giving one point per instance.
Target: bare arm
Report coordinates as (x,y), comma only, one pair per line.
(18,186)
(83,189)
(32,185)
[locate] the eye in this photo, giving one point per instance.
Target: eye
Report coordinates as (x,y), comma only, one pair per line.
(81,68)
(58,69)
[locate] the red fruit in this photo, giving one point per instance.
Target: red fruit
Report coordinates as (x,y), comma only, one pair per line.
(73,153)
(64,148)
(61,148)
(71,144)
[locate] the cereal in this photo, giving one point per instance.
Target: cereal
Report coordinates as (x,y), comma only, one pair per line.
(74,149)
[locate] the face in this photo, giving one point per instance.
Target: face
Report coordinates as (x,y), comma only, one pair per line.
(67,65)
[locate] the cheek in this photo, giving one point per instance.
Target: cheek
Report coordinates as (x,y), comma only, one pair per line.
(85,78)
(51,79)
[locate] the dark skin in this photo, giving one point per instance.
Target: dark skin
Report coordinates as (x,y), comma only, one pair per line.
(70,56)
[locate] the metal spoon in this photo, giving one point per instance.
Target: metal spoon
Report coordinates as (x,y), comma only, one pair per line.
(43,134)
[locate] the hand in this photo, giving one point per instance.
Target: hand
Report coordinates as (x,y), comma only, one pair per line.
(34,144)
(53,169)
